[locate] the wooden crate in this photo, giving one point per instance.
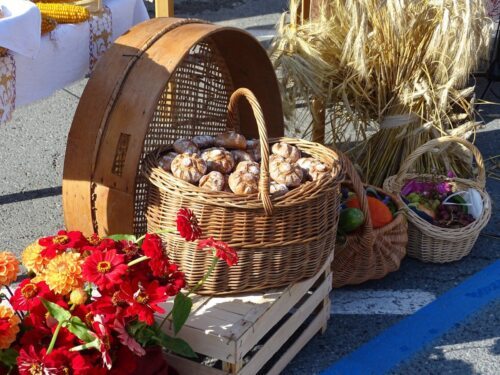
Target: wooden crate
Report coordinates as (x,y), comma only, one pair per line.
(254,333)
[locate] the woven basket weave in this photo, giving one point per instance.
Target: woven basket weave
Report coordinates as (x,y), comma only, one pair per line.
(279,240)
(431,243)
(369,253)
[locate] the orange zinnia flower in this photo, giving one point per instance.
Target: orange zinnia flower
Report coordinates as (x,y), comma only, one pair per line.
(9,326)
(64,273)
(33,259)
(9,267)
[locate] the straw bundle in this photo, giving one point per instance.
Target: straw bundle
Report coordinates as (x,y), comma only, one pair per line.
(392,73)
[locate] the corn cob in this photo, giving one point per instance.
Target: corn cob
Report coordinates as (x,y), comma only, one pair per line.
(53,1)
(48,24)
(64,13)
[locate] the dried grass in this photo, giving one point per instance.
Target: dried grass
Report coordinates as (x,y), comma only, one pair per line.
(392,73)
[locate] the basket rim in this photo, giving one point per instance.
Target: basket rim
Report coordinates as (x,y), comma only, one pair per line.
(450,234)
(305,192)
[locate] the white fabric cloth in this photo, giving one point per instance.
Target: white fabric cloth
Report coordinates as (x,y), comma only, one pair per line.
(63,57)
(20,27)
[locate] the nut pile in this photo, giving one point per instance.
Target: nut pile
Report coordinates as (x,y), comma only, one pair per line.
(229,162)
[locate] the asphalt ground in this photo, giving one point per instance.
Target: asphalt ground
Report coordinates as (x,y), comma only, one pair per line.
(32,149)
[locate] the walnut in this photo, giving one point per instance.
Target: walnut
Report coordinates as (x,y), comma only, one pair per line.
(231,140)
(277,190)
(166,160)
(218,159)
(185,146)
(240,155)
(289,152)
(203,141)
(243,183)
(189,167)
(249,167)
(286,173)
(214,181)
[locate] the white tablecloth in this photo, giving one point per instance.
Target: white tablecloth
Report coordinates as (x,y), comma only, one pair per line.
(65,55)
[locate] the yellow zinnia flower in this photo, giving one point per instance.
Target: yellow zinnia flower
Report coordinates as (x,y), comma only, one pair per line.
(9,326)
(64,273)
(33,260)
(9,267)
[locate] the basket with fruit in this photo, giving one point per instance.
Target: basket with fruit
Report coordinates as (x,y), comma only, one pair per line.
(445,213)
(372,233)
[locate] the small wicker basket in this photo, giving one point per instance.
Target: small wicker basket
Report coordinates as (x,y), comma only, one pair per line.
(279,240)
(369,253)
(431,243)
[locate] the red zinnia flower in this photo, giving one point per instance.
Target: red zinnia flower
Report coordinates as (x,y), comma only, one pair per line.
(187,225)
(143,299)
(26,295)
(222,250)
(104,269)
(173,280)
(30,362)
(54,245)
(129,248)
(159,266)
(152,246)
(62,361)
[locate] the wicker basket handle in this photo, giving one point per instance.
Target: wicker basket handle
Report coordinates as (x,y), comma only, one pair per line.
(405,167)
(360,191)
(264,194)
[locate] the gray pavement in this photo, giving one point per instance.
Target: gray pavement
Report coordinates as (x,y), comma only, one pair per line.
(32,149)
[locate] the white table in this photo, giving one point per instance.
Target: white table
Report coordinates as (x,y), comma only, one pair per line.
(65,55)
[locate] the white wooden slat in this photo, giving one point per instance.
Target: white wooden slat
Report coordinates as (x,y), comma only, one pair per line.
(248,338)
(276,341)
(303,339)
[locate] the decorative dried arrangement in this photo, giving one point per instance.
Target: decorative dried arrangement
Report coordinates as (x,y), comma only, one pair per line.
(391,74)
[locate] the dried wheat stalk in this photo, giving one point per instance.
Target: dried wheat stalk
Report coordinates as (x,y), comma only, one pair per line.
(393,74)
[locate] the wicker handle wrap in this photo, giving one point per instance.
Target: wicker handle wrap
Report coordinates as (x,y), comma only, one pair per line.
(405,167)
(264,194)
(359,189)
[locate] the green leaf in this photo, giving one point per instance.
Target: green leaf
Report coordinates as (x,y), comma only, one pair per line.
(176,345)
(79,329)
(59,313)
(8,357)
(126,237)
(180,311)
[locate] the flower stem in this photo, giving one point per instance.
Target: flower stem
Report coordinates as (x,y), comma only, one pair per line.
(205,277)
(196,287)
(138,260)
(10,291)
(54,337)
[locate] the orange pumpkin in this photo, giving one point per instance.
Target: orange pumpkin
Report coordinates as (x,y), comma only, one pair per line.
(379,212)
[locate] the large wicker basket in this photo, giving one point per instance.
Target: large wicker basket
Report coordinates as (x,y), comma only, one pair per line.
(279,240)
(369,253)
(431,243)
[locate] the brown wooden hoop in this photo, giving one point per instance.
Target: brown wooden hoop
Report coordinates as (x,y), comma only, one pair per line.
(133,103)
